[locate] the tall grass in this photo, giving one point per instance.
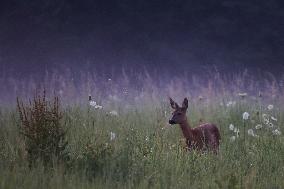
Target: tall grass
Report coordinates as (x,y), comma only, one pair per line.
(140,88)
(146,152)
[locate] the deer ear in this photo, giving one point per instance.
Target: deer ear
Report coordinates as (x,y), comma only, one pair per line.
(185,103)
(174,105)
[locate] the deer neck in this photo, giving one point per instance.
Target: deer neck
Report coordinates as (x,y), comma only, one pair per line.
(186,130)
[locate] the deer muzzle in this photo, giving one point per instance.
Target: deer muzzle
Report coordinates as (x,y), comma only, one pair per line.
(172,122)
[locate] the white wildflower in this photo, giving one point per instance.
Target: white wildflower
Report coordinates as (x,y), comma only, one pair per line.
(112,135)
(273,118)
(250,132)
(113,113)
(266,121)
(92,103)
(125,91)
(276,132)
(109,79)
(231,127)
(231,104)
(270,107)
(242,95)
(147,138)
(237,131)
(98,107)
(258,126)
(245,116)
(232,138)
(95,105)
(264,116)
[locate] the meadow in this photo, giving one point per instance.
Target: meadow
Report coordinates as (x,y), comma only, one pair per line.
(122,139)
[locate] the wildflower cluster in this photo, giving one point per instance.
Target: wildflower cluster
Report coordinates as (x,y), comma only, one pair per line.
(231,103)
(267,122)
(270,121)
(236,132)
(95,105)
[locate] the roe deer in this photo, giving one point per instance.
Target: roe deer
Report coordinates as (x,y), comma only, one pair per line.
(204,137)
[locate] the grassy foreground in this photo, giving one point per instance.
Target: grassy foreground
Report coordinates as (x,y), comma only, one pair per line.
(137,149)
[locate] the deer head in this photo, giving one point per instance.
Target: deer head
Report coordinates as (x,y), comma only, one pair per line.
(179,114)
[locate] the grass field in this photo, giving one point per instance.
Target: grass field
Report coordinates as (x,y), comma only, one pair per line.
(128,144)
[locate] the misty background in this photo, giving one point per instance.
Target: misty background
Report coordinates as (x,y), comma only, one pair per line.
(169,36)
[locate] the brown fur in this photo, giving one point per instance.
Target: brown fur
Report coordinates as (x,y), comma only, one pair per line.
(204,137)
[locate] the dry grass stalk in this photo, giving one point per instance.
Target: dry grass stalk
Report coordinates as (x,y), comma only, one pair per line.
(42,129)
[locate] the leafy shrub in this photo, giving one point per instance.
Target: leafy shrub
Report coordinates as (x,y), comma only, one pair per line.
(42,129)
